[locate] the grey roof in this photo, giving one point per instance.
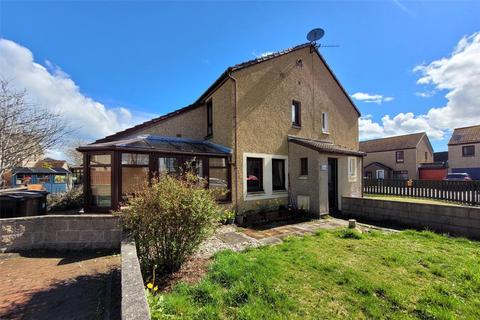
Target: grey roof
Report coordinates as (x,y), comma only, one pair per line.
(28,170)
(378,164)
(408,141)
(324,146)
(161,144)
(465,135)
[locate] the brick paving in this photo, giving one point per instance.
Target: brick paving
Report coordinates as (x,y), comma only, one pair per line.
(56,286)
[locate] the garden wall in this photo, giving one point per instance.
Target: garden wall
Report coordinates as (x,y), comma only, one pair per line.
(456,220)
(134,302)
(60,232)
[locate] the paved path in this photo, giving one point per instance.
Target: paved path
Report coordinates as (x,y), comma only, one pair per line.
(70,286)
(239,239)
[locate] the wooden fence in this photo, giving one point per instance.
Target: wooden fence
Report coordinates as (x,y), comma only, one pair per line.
(466,192)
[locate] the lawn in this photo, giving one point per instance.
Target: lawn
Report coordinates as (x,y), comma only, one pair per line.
(336,275)
(412,199)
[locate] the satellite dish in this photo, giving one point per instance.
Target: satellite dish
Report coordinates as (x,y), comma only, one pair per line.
(315,34)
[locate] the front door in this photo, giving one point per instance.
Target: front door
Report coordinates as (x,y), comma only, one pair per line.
(332,185)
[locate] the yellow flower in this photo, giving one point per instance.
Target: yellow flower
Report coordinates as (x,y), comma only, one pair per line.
(155,288)
(150,285)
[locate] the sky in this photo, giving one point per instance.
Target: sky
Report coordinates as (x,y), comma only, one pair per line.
(107,65)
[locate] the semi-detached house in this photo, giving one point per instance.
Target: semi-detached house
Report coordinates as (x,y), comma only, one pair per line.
(275,130)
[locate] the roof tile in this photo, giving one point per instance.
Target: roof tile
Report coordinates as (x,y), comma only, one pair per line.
(408,141)
(465,135)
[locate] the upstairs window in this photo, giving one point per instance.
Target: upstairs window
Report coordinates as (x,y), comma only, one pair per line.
(278,174)
(426,156)
(254,174)
(209,118)
(304,166)
(324,122)
(468,151)
(399,156)
(296,113)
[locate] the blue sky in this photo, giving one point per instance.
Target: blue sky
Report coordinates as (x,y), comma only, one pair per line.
(108,65)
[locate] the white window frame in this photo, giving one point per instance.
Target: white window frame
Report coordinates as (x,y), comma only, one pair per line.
(268,192)
(325,122)
(352,170)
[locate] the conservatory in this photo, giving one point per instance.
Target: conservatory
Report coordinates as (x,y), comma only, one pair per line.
(114,170)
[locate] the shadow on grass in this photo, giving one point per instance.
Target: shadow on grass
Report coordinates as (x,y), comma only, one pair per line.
(83,297)
(270,225)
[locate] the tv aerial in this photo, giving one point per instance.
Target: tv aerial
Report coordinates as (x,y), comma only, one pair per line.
(316,34)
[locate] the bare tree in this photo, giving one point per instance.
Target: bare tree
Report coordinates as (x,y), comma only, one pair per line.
(70,151)
(26,130)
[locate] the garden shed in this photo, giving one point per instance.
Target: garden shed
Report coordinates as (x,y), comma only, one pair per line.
(53,180)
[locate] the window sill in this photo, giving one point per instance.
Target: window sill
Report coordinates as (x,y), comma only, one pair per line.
(255,193)
(325,132)
(279,191)
(302,177)
(295,126)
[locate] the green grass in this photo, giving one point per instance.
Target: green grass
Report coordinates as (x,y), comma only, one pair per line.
(411,199)
(338,274)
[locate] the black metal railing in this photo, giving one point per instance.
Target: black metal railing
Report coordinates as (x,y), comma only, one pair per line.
(465,192)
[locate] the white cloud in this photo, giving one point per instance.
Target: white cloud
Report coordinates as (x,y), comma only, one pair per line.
(371,98)
(49,86)
(458,75)
(262,54)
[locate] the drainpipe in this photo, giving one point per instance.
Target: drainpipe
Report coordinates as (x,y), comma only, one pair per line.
(235,139)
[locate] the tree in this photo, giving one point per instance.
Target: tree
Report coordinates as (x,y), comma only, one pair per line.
(73,156)
(26,130)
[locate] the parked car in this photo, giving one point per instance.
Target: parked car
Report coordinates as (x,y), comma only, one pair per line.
(458,177)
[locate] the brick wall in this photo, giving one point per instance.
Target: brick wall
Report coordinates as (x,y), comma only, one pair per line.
(62,232)
(457,220)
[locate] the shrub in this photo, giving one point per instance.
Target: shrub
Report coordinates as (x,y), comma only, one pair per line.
(350,234)
(169,219)
(70,200)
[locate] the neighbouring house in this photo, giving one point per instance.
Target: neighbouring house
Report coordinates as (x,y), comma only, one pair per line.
(51,163)
(441,156)
(277,130)
(53,180)
(397,157)
(464,151)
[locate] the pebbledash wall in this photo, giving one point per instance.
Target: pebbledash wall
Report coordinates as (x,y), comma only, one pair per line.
(456,220)
(60,232)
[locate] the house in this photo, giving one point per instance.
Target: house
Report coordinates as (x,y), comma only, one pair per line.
(53,180)
(277,130)
(397,157)
(464,151)
(51,163)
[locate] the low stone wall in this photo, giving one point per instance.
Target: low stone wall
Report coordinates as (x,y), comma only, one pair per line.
(134,302)
(60,232)
(456,220)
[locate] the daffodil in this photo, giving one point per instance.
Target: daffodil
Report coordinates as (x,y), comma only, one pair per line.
(155,288)
(150,285)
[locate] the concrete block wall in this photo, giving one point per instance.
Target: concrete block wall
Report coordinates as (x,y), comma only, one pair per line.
(60,232)
(134,302)
(456,220)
